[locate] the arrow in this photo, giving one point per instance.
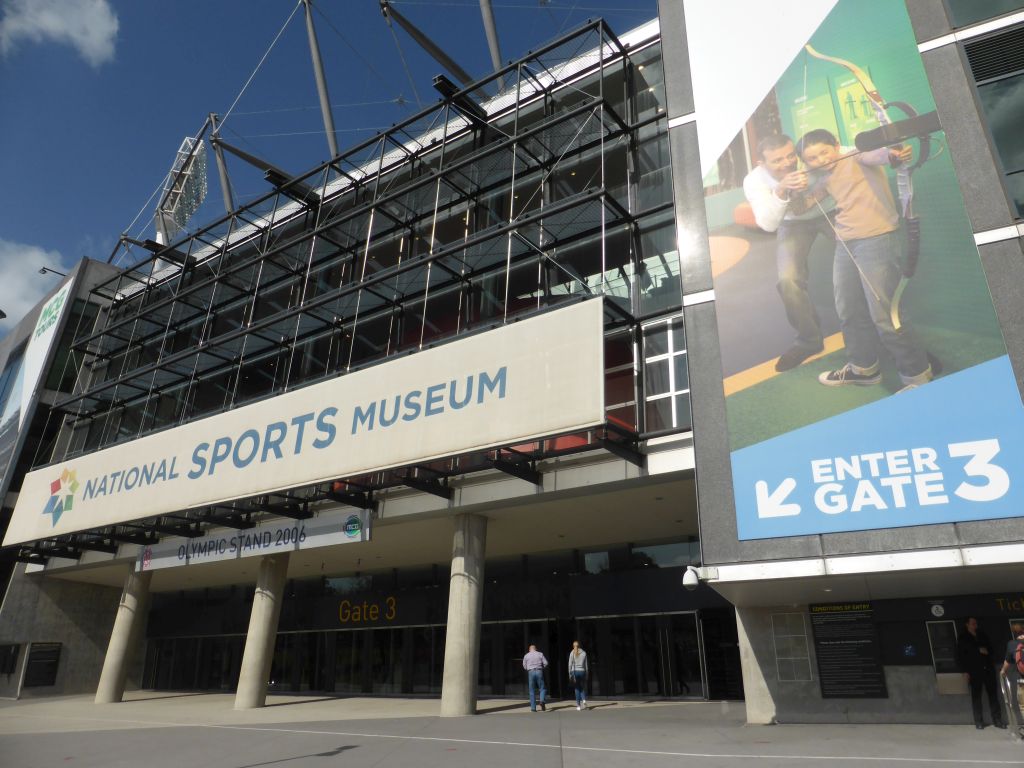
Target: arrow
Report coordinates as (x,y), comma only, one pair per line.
(773,504)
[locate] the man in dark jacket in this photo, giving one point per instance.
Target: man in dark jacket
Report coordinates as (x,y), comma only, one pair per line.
(974,652)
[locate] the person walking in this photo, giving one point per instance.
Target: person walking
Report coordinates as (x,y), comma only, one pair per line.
(1013,660)
(534,662)
(578,671)
(974,652)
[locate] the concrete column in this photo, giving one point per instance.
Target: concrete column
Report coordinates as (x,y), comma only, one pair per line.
(754,641)
(125,637)
(259,642)
(465,605)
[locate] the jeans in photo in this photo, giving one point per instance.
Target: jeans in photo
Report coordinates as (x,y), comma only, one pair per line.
(793,246)
(865,278)
(535,678)
(579,681)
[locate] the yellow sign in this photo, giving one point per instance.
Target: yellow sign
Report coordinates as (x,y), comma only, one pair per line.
(358,613)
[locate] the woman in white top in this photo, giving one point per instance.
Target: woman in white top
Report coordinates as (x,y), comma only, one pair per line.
(578,669)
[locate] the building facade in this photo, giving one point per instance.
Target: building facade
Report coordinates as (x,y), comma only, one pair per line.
(460,390)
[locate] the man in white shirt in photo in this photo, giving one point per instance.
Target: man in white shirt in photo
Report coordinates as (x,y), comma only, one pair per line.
(778,194)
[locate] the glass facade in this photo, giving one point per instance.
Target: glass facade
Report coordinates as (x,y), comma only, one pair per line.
(546,186)
(445,225)
(332,641)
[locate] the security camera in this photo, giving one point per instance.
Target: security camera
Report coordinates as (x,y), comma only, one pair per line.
(691,579)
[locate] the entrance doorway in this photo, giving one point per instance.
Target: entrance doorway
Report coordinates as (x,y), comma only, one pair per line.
(685,655)
(646,655)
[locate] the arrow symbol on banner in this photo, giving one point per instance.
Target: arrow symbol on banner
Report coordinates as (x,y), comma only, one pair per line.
(774,504)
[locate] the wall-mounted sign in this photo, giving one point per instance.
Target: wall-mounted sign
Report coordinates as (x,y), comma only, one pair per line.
(537,377)
(327,530)
(25,373)
(368,610)
(848,653)
(867,382)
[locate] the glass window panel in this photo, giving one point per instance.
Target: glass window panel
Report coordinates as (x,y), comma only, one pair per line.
(683,419)
(624,417)
(659,283)
(678,334)
(963,12)
(655,340)
(657,378)
(618,350)
(618,387)
(659,414)
(1016,187)
(673,555)
(595,562)
(1003,104)
(681,372)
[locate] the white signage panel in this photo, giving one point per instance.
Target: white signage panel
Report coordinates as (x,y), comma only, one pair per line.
(540,376)
(327,530)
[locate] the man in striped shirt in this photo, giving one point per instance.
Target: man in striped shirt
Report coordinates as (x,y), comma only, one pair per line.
(534,663)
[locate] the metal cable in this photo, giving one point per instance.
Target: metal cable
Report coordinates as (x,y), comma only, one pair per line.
(272,44)
(405,66)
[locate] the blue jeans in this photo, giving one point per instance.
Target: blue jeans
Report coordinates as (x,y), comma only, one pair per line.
(864,293)
(535,678)
(793,246)
(579,681)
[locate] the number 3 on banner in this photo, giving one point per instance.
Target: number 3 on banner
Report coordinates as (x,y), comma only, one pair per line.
(981,453)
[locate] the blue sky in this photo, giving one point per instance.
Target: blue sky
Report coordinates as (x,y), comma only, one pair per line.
(96,96)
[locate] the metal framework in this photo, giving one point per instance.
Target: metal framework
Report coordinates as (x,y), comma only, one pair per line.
(464,216)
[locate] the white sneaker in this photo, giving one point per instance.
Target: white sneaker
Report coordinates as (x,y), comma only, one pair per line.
(584,704)
(578,707)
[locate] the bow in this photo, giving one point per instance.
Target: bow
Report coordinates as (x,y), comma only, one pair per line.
(891,133)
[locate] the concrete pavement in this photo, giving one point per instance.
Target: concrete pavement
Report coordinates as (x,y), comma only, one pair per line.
(161,730)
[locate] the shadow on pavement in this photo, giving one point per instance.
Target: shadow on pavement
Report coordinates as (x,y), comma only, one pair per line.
(330,753)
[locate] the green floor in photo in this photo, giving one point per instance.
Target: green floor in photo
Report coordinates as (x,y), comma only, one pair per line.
(795,399)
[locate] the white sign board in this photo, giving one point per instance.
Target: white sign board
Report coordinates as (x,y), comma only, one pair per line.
(327,530)
(537,377)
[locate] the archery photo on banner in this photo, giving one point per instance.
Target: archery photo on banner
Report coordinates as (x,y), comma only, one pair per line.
(866,379)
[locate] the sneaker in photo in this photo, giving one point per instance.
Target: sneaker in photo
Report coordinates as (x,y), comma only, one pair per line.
(850,374)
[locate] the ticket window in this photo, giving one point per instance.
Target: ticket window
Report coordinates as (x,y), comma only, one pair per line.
(942,638)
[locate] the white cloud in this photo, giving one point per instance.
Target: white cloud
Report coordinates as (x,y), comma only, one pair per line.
(21,285)
(88,26)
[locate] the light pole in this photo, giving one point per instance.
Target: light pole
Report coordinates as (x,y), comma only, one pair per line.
(44,270)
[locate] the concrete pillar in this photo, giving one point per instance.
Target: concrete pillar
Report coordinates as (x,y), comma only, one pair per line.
(125,637)
(259,642)
(753,637)
(465,605)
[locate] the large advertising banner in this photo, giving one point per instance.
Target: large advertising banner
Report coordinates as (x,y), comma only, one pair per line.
(866,379)
(22,377)
(536,377)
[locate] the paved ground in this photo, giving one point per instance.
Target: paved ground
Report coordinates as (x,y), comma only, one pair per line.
(202,731)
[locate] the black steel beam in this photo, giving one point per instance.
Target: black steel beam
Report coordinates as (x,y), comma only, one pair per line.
(360,500)
(188,531)
(31,557)
(96,546)
(625,452)
(434,487)
(294,511)
(133,538)
(522,470)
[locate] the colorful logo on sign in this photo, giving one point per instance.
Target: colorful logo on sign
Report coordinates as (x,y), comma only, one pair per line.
(62,495)
(353,527)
